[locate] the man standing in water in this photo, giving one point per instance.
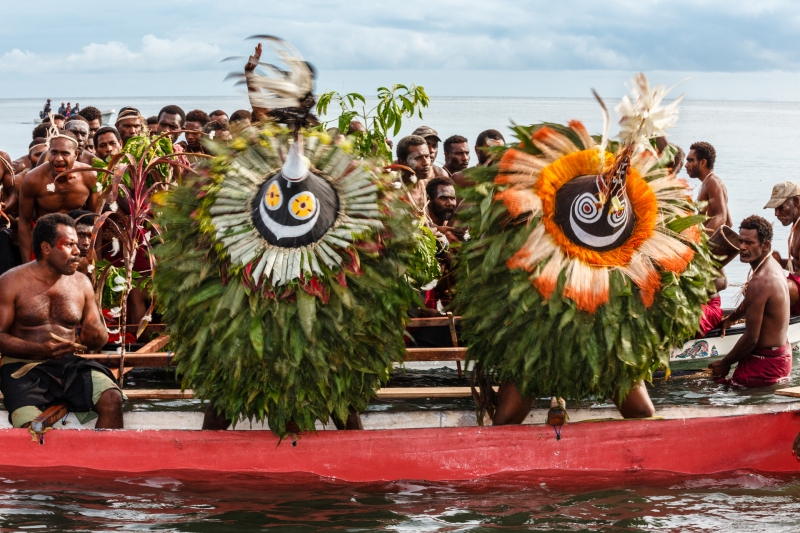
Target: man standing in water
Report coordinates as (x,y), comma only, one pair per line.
(44,190)
(763,353)
(700,165)
(43,300)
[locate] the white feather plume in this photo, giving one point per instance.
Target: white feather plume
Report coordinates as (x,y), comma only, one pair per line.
(281,88)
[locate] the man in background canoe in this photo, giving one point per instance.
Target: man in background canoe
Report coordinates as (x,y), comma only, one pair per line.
(763,353)
(785,200)
(42,306)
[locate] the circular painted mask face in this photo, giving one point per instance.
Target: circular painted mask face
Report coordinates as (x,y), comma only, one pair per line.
(587,225)
(294,214)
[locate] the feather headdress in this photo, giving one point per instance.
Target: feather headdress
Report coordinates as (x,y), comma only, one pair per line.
(281,88)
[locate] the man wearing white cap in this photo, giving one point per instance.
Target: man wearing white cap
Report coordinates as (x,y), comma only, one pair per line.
(785,200)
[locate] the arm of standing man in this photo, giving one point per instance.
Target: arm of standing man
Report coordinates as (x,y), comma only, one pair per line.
(717,210)
(755,301)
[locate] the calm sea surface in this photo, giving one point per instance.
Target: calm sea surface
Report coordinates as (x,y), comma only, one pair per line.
(754,145)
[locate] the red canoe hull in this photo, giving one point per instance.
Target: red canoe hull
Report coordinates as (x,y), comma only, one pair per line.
(760,443)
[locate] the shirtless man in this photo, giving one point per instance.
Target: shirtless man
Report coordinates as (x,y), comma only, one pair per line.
(763,353)
(84,225)
(80,128)
(41,193)
(700,165)
(486,140)
(107,142)
(456,154)
(37,300)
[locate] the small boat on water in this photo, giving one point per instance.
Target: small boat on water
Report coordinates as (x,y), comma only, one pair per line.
(107,114)
(712,346)
(433,446)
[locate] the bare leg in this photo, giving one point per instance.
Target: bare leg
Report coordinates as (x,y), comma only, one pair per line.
(137,307)
(109,409)
(213,421)
(512,408)
(353,421)
(637,403)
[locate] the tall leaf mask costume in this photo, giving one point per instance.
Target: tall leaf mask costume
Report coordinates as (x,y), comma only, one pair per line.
(593,253)
(286,271)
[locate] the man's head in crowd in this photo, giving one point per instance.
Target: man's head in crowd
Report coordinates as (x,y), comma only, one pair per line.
(487,139)
(78,126)
(107,142)
(413,152)
(240,120)
(129,123)
(218,131)
(196,120)
(36,150)
(701,159)
(441,199)
(40,130)
(755,239)
(93,117)
(432,138)
(59,120)
(55,243)
(170,120)
(63,152)
(152,124)
(219,115)
(356,127)
(84,223)
(456,153)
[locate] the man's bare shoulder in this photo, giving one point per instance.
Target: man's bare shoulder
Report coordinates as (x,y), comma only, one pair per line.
(14,279)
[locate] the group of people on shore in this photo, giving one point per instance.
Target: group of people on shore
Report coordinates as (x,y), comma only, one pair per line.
(50,196)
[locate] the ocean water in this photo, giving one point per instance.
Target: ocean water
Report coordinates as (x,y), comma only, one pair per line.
(753,140)
(754,145)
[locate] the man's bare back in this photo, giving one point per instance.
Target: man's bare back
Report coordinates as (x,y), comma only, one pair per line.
(715,194)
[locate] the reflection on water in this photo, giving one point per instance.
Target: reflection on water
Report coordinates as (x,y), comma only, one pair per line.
(169,502)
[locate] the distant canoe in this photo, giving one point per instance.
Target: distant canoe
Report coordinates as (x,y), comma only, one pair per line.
(106,121)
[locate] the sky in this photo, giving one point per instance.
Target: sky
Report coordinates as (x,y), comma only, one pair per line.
(732,49)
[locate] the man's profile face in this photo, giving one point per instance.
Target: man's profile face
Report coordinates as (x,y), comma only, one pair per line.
(457,159)
(444,205)
(751,249)
(788,211)
(433,147)
(693,166)
(193,134)
(170,123)
(84,233)
(36,154)
(64,256)
(129,127)
(107,144)
(62,154)
(419,160)
(484,153)
(221,117)
(81,131)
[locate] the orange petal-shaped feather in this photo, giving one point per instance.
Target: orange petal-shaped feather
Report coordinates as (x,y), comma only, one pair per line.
(548,278)
(578,127)
(558,142)
(668,252)
(587,286)
(537,248)
(520,200)
(519,167)
(641,271)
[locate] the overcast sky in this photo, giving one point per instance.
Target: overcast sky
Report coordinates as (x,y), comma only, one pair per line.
(540,48)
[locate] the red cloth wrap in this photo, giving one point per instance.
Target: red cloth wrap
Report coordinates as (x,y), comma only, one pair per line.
(764,367)
(795,309)
(712,316)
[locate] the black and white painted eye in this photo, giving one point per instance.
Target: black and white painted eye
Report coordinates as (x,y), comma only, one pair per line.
(618,218)
(585,209)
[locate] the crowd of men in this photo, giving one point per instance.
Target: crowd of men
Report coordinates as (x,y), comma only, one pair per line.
(50,196)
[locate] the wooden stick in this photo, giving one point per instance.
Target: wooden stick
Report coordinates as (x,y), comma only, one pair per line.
(75,345)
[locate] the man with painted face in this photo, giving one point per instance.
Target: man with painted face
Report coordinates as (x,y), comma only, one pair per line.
(763,353)
(432,138)
(80,128)
(94,117)
(38,301)
(786,202)
(58,185)
(129,123)
(456,154)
